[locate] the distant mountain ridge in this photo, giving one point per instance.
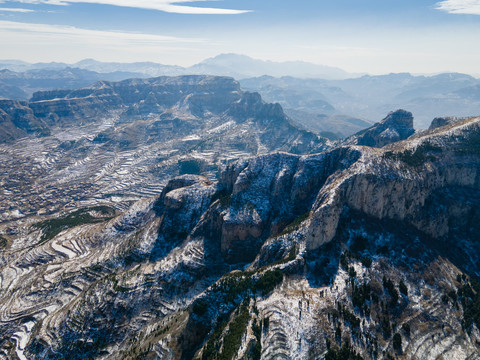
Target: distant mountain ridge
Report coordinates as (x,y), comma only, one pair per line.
(238,66)
(21,85)
(241,66)
(369,98)
(317,98)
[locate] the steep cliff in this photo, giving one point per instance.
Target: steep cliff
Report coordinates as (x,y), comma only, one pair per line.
(405,216)
(18,120)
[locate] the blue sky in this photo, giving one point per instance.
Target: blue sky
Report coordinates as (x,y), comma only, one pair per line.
(374,36)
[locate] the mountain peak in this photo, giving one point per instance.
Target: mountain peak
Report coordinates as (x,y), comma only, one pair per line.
(396,126)
(243,66)
(399,119)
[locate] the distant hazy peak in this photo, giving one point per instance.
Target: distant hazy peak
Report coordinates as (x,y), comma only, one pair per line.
(242,66)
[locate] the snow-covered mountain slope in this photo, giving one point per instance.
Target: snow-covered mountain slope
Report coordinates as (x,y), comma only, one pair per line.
(361,251)
(113,143)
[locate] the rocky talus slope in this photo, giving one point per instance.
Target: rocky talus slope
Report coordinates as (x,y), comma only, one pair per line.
(355,252)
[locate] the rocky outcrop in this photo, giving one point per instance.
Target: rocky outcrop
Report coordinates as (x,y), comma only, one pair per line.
(257,198)
(398,125)
(397,182)
(183,201)
(270,192)
(442,121)
(261,196)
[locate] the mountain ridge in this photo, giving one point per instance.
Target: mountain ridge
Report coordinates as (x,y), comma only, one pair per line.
(223,65)
(369,98)
(332,108)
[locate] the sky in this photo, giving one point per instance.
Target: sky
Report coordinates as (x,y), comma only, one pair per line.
(360,36)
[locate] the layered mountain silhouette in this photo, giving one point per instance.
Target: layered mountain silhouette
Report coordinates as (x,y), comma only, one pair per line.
(326,100)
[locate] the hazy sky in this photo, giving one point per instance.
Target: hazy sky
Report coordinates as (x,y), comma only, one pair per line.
(375,36)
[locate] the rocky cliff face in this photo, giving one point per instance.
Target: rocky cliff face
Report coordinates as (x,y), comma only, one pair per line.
(17,120)
(268,193)
(356,250)
(442,121)
(141,97)
(398,182)
(378,204)
(398,125)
